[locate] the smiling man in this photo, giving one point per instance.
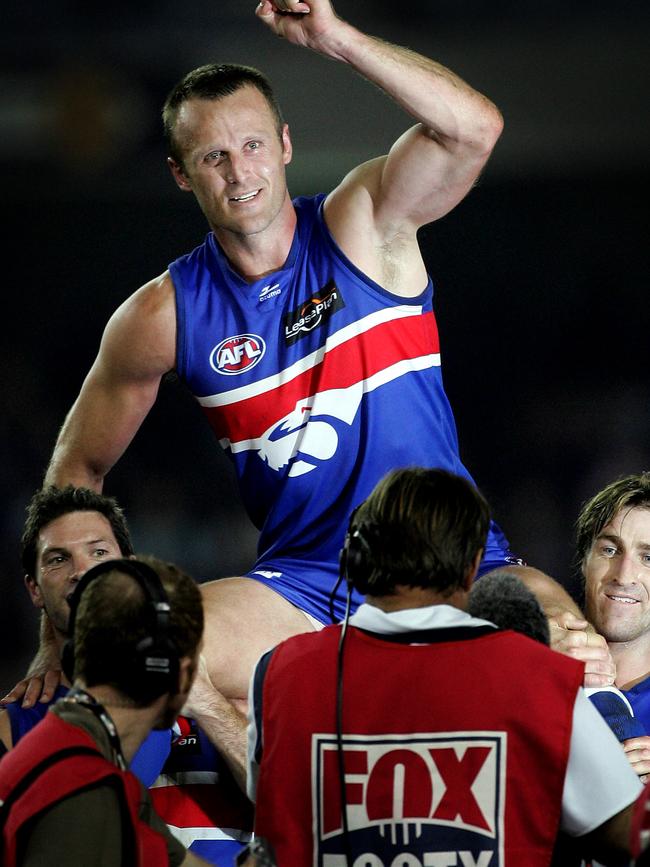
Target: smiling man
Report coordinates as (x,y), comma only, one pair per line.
(613,547)
(303,326)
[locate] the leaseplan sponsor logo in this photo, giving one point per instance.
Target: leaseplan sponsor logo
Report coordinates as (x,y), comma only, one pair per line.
(270,291)
(312,313)
(236,354)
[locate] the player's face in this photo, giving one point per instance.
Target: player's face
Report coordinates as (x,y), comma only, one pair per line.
(234,160)
(617,577)
(67,547)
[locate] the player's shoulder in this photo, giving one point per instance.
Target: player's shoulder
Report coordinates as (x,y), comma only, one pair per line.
(151,303)
(356,193)
(145,324)
(154,295)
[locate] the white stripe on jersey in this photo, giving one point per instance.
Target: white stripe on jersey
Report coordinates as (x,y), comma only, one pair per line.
(187,836)
(341,403)
(348,332)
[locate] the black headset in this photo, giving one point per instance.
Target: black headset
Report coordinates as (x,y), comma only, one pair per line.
(355,557)
(154,665)
(362,553)
(367,549)
(355,566)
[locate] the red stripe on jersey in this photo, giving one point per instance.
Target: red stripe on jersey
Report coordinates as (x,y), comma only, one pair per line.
(203,806)
(347,364)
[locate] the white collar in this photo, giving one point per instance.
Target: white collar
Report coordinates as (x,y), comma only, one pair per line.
(411,619)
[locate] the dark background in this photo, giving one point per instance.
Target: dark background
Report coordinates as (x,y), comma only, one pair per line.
(541,274)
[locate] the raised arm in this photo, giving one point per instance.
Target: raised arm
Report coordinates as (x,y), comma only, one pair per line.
(434,164)
(137,349)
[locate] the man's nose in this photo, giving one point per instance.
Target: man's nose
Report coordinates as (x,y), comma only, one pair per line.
(235,168)
(80,565)
(628,570)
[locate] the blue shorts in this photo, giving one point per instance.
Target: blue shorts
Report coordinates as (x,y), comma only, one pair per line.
(309,584)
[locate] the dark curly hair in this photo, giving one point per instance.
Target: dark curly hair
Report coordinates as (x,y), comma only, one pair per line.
(50,503)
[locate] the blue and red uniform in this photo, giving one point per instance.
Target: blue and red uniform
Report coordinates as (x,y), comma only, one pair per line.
(317,381)
(639,698)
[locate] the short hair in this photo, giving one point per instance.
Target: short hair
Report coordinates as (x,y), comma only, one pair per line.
(114,616)
(214,81)
(503,598)
(629,491)
(50,503)
(423,528)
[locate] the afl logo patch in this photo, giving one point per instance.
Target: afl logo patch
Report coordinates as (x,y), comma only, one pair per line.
(237,354)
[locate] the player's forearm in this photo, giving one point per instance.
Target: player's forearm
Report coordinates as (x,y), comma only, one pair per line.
(434,95)
(69,466)
(96,432)
(44,674)
(222,722)
(225,726)
(48,655)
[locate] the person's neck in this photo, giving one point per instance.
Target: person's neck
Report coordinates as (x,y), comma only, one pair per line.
(632,659)
(417,597)
(254,256)
(133,724)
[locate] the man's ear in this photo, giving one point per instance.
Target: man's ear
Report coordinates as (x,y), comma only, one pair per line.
(179,175)
(287,147)
(34,591)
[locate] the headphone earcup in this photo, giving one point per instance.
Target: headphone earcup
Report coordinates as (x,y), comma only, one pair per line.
(152,669)
(358,560)
(155,667)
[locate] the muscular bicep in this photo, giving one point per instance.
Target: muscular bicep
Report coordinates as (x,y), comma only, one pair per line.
(137,348)
(424,176)
(375,212)
(420,180)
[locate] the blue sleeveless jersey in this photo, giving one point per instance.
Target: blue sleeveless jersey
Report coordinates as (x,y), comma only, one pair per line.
(23,719)
(639,698)
(317,381)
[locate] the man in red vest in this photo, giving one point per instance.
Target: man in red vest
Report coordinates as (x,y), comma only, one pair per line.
(66,795)
(419,732)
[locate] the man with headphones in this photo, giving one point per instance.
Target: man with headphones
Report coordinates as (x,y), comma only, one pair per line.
(193,770)
(415,732)
(66,795)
